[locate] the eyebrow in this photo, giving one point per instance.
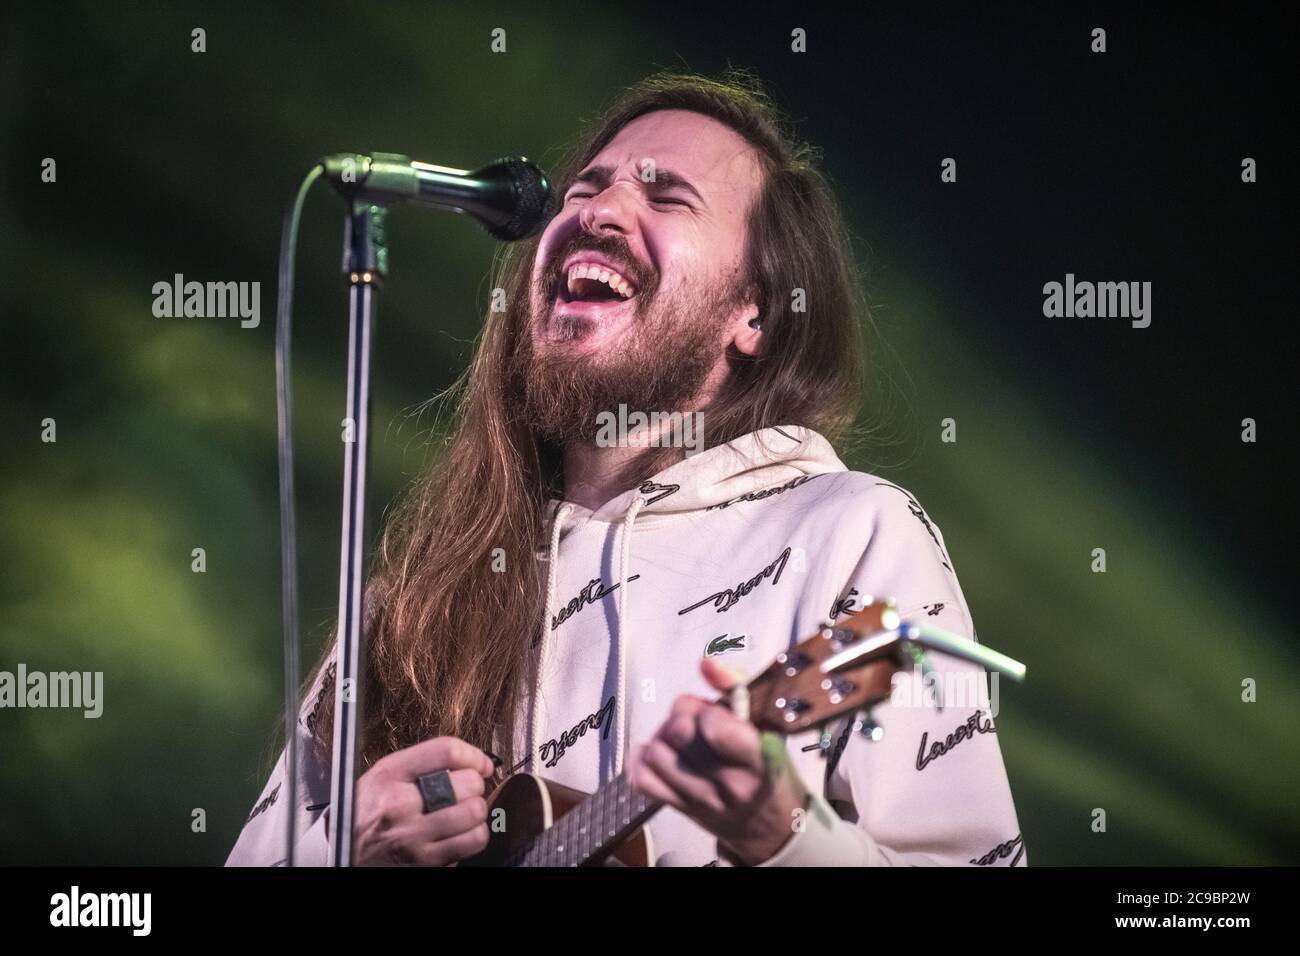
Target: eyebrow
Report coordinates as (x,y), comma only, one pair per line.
(664,179)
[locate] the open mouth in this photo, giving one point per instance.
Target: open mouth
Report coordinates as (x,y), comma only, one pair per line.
(593,286)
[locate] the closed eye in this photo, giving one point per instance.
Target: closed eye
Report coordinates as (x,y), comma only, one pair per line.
(659,200)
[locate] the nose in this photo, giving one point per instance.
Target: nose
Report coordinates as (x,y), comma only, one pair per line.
(610,210)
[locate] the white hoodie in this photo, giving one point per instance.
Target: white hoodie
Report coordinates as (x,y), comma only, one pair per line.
(739,552)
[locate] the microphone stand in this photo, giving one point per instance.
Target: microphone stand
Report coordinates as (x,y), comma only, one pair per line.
(365,263)
(511,199)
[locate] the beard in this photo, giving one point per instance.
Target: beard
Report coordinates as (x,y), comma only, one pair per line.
(660,365)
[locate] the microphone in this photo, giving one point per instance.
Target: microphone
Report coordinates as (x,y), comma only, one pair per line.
(510,198)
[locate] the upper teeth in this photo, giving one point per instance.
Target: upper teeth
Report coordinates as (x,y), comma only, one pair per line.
(589,270)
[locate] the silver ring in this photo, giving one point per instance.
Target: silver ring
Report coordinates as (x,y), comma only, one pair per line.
(436,789)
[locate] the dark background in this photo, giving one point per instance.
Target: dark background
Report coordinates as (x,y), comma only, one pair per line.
(1072,433)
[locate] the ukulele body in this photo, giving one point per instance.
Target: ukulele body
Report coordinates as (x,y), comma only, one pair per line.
(532,804)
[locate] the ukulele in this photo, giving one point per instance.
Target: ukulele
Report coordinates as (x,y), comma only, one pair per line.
(846,667)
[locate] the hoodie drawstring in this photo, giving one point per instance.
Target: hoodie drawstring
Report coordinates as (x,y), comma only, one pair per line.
(620,704)
(551,569)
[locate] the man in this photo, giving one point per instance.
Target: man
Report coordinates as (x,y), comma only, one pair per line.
(567,597)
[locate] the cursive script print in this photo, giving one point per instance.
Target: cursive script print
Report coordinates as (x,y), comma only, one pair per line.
(918,512)
(1002,851)
(765,493)
(593,592)
(845,605)
(261,807)
(840,744)
(726,600)
(965,731)
(557,746)
(649,487)
(325,685)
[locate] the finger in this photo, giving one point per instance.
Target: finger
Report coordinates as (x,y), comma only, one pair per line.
(465,784)
(714,737)
(687,705)
(691,785)
(679,729)
(457,848)
(448,822)
(682,734)
(644,780)
(416,840)
(438,753)
(719,676)
(735,742)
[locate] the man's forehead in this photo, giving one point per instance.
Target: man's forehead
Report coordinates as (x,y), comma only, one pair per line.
(712,155)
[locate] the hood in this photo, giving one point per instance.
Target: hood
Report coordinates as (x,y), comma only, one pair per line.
(749,465)
(754,462)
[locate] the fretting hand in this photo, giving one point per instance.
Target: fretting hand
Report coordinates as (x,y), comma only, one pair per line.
(711,765)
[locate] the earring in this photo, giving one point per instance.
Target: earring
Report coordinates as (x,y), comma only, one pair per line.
(756,323)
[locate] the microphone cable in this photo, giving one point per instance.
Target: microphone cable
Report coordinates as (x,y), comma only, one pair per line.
(288,522)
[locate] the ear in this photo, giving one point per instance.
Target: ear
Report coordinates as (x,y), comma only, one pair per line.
(747,339)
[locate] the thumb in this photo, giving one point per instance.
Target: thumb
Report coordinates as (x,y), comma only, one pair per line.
(720,677)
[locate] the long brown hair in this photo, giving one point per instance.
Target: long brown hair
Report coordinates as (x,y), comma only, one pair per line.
(447,640)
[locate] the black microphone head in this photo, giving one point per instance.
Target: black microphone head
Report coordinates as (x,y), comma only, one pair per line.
(521,203)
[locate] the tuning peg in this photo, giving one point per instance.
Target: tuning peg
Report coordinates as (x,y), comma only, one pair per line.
(866,725)
(825,742)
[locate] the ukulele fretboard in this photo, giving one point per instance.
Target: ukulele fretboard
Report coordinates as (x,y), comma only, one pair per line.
(589,831)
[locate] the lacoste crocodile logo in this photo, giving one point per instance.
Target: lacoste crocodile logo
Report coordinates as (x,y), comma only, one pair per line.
(721,644)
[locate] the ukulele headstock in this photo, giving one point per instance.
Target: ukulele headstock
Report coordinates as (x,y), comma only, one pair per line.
(813,682)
